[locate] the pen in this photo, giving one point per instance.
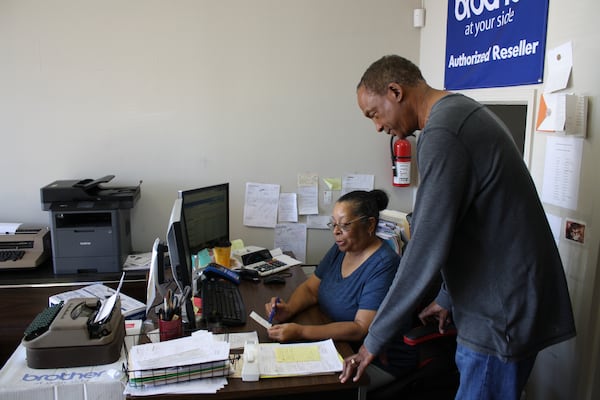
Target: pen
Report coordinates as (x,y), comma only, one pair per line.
(273,310)
(169,298)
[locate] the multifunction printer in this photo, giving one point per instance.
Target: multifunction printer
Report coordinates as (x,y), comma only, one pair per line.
(90,224)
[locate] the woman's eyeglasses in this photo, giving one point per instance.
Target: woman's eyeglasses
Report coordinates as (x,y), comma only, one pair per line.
(345,227)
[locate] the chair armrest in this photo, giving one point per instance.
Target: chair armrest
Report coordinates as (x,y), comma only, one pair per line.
(426,333)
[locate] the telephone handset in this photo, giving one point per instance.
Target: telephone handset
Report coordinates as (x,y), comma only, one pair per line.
(250,368)
(216,271)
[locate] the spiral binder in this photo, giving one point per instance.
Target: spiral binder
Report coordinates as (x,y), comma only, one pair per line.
(181,373)
(181,365)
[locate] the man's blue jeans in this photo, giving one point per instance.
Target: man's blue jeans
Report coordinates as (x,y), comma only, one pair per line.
(486,377)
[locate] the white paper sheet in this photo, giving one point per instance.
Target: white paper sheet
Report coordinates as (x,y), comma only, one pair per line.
(108,305)
(196,349)
(308,200)
(9,228)
(351,182)
(559,62)
(261,204)
(236,340)
(292,237)
(288,207)
(260,320)
(205,385)
(562,170)
(317,221)
(296,361)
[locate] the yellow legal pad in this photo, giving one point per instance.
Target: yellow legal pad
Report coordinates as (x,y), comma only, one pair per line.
(297,354)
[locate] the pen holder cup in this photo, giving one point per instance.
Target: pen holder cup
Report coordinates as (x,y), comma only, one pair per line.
(172,329)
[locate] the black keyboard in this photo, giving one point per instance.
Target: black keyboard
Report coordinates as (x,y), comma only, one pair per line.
(41,323)
(11,255)
(222,302)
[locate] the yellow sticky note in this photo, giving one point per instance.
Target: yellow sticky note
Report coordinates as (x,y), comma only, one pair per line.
(297,354)
(333,183)
(237,244)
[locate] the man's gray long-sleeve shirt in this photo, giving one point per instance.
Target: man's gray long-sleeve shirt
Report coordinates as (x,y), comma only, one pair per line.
(479,220)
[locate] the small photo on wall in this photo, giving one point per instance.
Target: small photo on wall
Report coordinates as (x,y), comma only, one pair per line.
(575,231)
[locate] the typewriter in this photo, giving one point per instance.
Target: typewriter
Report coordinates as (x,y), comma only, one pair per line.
(68,335)
(26,248)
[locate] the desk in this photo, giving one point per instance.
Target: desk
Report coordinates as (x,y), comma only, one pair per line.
(24,294)
(255,296)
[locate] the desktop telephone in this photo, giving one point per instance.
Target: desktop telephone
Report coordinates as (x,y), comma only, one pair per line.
(67,335)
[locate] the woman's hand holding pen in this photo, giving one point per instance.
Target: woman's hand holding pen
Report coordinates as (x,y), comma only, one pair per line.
(276,310)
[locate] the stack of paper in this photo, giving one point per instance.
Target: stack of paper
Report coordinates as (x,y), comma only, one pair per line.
(130,307)
(137,262)
(391,233)
(394,229)
(178,360)
(400,218)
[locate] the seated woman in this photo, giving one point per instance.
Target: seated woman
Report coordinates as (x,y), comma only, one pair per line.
(349,284)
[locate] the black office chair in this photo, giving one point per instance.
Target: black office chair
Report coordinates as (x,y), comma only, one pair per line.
(436,376)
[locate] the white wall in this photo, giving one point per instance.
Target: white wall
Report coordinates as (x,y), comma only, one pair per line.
(569,370)
(183,94)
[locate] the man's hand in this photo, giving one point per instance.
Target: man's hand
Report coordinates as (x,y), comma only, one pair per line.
(356,364)
(435,311)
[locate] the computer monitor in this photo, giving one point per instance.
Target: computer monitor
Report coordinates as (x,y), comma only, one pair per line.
(206,216)
(179,253)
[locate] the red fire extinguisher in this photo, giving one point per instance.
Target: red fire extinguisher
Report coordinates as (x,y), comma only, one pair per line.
(400,151)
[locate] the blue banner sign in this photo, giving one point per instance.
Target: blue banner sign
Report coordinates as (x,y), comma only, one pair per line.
(491,43)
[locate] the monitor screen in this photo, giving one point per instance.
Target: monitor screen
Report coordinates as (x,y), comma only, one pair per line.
(206,216)
(179,253)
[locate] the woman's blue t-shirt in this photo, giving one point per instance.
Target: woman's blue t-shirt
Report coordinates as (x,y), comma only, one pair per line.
(340,298)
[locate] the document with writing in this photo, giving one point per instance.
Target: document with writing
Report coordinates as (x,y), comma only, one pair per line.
(130,307)
(314,358)
(183,351)
(236,340)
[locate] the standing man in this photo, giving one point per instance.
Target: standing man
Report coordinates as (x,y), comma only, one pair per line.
(477,219)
